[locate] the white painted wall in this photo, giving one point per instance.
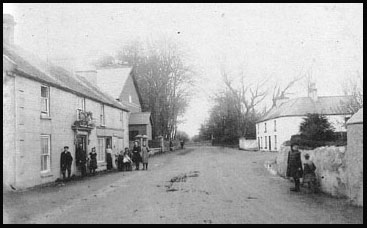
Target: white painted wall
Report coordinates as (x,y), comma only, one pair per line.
(248,144)
(288,126)
(29,127)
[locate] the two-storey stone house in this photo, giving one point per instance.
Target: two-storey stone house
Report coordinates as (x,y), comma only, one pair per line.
(46,108)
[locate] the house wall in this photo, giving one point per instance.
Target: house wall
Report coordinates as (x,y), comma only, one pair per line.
(9,127)
(354,159)
(30,126)
(130,90)
(285,128)
(288,126)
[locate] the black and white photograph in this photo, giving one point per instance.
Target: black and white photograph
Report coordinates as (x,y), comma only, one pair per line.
(182,113)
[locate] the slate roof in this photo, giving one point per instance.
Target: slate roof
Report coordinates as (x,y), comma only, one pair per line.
(112,79)
(30,66)
(357,118)
(327,105)
(139,118)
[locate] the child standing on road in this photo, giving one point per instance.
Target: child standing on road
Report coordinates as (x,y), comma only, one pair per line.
(126,165)
(145,155)
(309,176)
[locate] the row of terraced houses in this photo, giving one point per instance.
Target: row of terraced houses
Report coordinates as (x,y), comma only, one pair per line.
(47,107)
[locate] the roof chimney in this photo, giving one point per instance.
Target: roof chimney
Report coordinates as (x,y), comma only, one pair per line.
(8,29)
(312,91)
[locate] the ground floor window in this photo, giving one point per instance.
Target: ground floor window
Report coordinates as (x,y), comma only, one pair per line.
(45,153)
(275,142)
(258,142)
(261,146)
(101,150)
(266,142)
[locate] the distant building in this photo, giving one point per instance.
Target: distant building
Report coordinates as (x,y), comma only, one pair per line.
(46,108)
(283,120)
(118,81)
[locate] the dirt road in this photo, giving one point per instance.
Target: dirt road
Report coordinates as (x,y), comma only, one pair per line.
(195,185)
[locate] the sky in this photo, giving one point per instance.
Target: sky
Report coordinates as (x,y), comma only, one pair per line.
(267,41)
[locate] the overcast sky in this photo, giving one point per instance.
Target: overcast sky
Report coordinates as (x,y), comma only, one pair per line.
(265,40)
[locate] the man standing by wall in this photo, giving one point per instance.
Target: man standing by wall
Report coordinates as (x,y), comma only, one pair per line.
(65,162)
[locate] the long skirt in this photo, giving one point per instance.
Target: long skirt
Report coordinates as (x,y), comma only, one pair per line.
(109,161)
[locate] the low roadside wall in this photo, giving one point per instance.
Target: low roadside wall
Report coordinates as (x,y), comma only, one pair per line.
(248,144)
(331,167)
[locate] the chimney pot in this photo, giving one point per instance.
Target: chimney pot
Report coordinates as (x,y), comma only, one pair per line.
(312,92)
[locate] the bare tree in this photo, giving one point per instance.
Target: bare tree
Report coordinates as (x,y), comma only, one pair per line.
(247,97)
(164,80)
(281,93)
(353,87)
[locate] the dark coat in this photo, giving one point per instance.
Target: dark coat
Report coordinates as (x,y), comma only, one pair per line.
(136,157)
(294,167)
(93,161)
(65,160)
(81,157)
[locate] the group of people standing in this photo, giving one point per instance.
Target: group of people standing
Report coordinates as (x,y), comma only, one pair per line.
(297,171)
(123,161)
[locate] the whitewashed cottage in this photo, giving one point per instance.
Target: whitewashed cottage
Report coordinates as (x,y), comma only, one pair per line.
(284,119)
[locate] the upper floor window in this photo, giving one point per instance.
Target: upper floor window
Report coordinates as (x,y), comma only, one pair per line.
(266,142)
(45,100)
(82,102)
(102,117)
(130,99)
(121,116)
(265,127)
(275,125)
(275,142)
(81,107)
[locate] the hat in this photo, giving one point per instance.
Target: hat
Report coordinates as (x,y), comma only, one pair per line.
(307,156)
(66,147)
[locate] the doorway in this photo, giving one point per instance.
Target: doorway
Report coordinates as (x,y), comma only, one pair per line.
(108,142)
(81,152)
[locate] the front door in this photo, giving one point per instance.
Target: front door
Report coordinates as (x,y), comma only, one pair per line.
(81,142)
(80,147)
(108,142)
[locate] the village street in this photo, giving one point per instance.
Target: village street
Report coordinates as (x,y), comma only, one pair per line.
(194,185)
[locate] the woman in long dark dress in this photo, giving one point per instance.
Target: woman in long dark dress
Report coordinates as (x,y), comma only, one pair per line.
(109,158)
(294,168)
(93,161)
(136,155)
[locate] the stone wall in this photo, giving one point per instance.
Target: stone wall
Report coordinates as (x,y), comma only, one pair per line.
(354,158)
(331,167)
